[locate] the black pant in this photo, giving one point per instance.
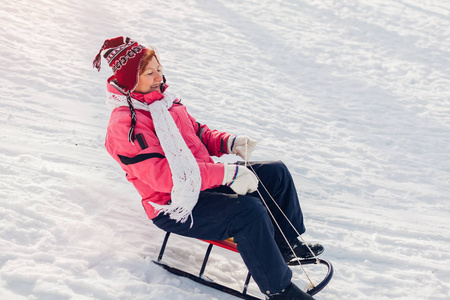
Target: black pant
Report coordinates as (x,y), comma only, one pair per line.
(220,214)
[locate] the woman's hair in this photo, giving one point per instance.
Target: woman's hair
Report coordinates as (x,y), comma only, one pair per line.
(149,54)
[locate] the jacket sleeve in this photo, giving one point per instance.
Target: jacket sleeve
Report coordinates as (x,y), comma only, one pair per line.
(146,161)
(214,140)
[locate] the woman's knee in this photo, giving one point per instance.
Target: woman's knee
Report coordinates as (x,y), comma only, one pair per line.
(280,168)
(274,172)
(274,167)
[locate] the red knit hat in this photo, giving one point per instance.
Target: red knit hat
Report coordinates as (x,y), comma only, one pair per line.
(124,57)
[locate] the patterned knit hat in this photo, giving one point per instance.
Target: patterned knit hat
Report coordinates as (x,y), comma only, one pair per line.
(124,57)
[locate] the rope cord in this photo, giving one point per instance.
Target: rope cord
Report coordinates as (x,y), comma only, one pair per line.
(282,233)
(284,215)
(275,221)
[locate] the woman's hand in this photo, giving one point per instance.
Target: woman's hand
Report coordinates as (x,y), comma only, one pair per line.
(241,145)
(240,179)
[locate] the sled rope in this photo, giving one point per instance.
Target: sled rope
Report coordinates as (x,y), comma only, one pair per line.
(279,208)
(285,238)
(279,228)
(275,221)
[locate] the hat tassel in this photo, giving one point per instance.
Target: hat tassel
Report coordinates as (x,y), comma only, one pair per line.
(131,133)
(98,59)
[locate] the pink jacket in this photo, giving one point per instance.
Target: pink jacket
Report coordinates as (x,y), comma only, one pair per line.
(144,162)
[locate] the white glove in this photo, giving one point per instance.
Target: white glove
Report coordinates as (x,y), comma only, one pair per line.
(241,145)
(240,179)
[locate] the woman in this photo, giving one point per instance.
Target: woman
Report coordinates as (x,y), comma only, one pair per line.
(166,154)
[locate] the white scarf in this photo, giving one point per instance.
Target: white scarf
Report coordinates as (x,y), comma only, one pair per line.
(183,165)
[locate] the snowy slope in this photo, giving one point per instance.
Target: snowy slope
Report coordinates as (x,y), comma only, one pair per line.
(352,95)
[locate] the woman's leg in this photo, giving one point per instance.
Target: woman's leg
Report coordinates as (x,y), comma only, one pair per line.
(220,214)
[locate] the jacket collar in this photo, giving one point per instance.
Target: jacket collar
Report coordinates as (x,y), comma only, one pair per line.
(148,98)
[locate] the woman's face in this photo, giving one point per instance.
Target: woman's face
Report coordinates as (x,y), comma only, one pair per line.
(150,80)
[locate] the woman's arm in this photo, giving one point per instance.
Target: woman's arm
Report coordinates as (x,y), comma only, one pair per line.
(215,141)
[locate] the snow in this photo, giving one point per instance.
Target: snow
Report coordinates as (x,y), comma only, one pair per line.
(352,95)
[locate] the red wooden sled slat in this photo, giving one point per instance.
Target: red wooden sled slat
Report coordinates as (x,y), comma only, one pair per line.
(227,244)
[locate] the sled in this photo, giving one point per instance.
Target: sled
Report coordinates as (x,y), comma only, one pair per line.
(230,245)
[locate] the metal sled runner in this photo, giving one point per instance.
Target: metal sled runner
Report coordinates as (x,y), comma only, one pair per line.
(229,245)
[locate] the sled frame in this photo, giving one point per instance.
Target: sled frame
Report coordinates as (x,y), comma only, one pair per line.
(232,246)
